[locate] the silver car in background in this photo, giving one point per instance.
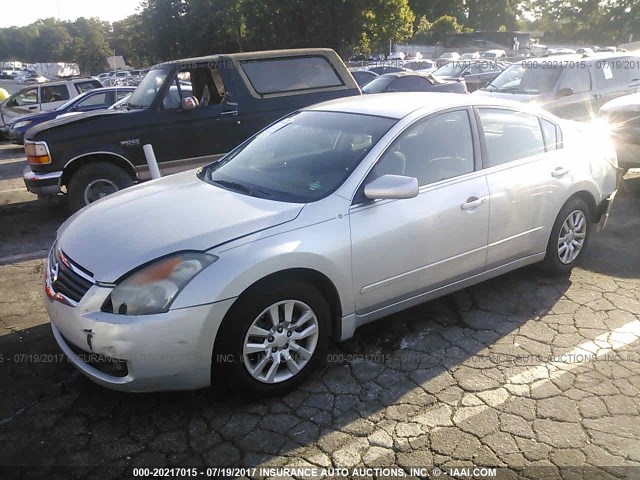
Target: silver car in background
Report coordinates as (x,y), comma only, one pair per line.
(334,216)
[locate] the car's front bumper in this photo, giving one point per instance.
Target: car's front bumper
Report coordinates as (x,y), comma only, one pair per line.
(16,136)
(41,183)
(169,351)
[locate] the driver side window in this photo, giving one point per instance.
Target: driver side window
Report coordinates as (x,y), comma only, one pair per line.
(433,149)
(178,90)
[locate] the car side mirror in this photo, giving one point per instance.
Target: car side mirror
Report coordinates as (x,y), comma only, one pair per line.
(392,187)
(565,92)
(189,103)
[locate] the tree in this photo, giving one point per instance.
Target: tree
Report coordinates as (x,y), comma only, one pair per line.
(164,20)
(489,15)
(438,8)
(53,40)
(89,47)
(422,33)
(444,26)
(131,39)
(218,24)
(387,21)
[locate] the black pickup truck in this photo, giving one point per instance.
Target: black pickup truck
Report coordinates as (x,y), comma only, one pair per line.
(191,111)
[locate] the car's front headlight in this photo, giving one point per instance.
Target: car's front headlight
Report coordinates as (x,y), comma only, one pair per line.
(153,288)
(23,124)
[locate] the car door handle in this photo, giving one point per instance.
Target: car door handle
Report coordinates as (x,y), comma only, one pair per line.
(559,172)
(230,112)
(33,108)
(597,96)
(473,202)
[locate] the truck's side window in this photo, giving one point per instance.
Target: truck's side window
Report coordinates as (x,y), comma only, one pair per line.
(207,86)
(290,74)
(179,89)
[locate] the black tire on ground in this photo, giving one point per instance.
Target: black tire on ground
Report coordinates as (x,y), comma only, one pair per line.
(552,262)
(111,175)
(228,368)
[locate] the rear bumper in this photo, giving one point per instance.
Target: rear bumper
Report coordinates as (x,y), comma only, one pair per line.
(41,183)
(628,155)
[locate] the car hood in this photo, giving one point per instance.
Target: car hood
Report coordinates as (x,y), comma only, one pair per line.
(36,117)
(627,103)
(181,212)
(68,120)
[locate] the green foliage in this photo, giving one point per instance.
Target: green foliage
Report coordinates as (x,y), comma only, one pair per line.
(167,29)
(444,26)
(439,8)
(490,15)
(422,33)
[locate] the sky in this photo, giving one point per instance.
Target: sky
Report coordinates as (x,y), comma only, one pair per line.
(23,12)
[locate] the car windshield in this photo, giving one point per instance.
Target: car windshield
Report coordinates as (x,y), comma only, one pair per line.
(531,81)
(143,96)
(452,69)
(302,158)
(377,85)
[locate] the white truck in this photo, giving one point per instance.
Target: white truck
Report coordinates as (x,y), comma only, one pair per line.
(57,69)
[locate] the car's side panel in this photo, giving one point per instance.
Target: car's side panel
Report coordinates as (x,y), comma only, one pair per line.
(402,247)
(317,240)
(524,200)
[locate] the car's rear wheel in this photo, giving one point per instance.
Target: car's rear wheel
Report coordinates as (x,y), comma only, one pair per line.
(272,339)
(569,237)
(95,181)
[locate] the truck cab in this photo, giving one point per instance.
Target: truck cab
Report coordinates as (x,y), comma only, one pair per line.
(191,111)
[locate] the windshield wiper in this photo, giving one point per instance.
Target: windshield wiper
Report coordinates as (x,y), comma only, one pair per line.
(241,188)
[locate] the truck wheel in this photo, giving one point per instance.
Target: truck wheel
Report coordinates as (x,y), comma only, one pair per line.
(95,181)
(272,339)
(569,237)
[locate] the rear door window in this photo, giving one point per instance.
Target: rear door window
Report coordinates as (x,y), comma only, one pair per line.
(54,93)
(290,74)
(550,134)
(614,73)
(510,136)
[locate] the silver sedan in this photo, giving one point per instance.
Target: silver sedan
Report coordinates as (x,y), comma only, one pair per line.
(337,215)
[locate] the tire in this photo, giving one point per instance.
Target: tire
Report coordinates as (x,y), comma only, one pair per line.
(93,181)
(231,362)
(560,258)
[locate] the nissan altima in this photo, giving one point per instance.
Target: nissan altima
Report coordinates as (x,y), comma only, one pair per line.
(339,214)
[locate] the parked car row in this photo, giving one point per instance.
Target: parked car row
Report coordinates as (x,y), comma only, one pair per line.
(42,97)
(94,99)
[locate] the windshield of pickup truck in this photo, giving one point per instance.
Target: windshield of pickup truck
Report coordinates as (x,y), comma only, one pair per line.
(529,78)
(143,96)
(300,159)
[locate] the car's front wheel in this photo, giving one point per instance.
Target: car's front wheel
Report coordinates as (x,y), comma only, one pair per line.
(272,339)
(95,181)
(569,237)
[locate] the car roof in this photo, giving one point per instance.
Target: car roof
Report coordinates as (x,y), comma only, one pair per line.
(403,73)
(400,104)
(579,57)
(250,55)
